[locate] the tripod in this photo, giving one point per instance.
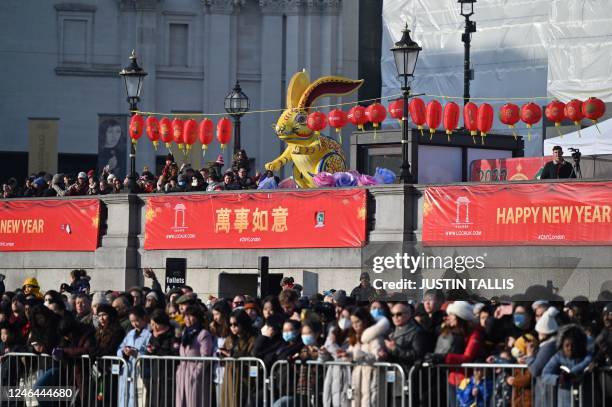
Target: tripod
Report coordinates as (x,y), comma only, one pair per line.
(577,170)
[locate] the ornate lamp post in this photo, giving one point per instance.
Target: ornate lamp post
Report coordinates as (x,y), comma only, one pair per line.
(405,53)
(467,10)
(133,75)
(237,104)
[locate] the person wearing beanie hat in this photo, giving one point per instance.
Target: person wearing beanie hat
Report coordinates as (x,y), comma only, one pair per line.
(547,324)
(461,309)
(109,333)
(30,287)
(603,343)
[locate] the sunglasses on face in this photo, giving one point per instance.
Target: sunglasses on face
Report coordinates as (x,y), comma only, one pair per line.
(397,314)
(233,325)
(238,303)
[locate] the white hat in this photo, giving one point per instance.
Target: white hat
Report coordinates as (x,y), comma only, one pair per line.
(547,324)
(111,178)
(461,309)
(477,308)
(82,175)
(99,298)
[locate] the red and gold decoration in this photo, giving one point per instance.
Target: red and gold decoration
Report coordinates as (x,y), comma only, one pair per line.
(190,134)
(224,132)
(531,113)
(307,219)
(356,115)
(417,112)
(485,120)
(573,111)
(49,225)
(165,129)
(450,118)
(177,133)
(433,116)
(470,119)
(316,121)
(376,114)
(152,125)
(509,115)
(396,109)
(337,119)
(136,127)
(555,112)
(569,213)
(206,134)
(593,109)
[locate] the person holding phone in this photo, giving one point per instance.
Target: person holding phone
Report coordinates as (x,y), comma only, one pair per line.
(133,345)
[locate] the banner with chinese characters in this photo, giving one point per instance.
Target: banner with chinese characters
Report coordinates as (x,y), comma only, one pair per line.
(507,169)
(573,213)
(49,225)
(257,220)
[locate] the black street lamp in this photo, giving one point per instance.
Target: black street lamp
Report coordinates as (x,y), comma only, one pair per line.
(406,53)
(133,75)
(467,10)
(237,104)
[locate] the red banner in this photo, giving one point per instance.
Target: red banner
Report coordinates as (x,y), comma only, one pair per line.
(257,220)
(507,169)
(521,214)
(49,225)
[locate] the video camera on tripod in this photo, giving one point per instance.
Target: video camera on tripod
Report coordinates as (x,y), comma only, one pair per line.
(576,154)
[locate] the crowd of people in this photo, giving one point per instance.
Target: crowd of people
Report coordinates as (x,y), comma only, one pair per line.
(559,342)
(172,179)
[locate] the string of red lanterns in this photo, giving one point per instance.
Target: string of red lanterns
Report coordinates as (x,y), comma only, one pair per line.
(475,119)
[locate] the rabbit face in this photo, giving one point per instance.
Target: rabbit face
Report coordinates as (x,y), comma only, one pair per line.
(292,128)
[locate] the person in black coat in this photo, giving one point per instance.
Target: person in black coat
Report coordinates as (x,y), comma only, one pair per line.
(558,167)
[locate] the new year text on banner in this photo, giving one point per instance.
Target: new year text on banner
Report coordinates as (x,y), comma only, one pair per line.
(49,225)
(576,213)
(257,220)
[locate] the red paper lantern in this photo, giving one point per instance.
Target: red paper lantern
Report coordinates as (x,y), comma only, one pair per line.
(177,132)
(206,134)
(136,127)
(509,114)
(337,119)
(433,116)
(152,125)
(165,129)
(190,133)
(356,115)
(485,120)
(470,118)
(376,113)
(316,121)
(531,114)
(417,112)
(593,109)
(396,109)
(224,132)
(555,112)
(450,118)
(573,111)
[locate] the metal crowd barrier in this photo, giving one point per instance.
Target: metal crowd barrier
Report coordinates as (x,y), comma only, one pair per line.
(315,383)
(502,385)
(39,380)
(200,381)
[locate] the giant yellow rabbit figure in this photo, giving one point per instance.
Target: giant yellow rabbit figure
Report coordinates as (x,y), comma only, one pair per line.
(310,153)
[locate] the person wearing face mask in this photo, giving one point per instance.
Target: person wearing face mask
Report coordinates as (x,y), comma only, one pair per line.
(270,340)
(337,378)
(307,377)
(522,319)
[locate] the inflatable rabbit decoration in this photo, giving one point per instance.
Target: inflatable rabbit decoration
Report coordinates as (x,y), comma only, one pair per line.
(310,153)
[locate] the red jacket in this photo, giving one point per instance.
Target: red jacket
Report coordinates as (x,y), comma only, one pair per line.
(473,348)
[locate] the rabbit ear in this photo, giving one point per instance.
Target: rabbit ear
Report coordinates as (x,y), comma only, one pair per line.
(296,88)
(327,85)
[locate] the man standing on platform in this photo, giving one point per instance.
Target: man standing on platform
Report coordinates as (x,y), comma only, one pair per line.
(558,168)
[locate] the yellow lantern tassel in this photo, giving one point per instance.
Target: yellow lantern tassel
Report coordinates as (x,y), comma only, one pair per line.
(222,147)
(483,135)
(156,145)
(529,132)
(339,135)
(513,132)
(134,141)
(375,125)
(360,127)
(448,134)
(168,145)
(558,127)
(473,134)
(421,130)
(204,148)
(578,127)
(431,133)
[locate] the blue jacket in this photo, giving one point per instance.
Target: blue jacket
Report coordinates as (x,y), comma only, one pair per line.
(464,392)
(139,343)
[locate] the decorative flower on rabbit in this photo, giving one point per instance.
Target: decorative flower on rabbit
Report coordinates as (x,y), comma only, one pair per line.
(310,153)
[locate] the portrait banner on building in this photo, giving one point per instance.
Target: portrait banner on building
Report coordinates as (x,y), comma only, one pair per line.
(304,219)
(112,143)
(49,225)
(572,213)
(42,151)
